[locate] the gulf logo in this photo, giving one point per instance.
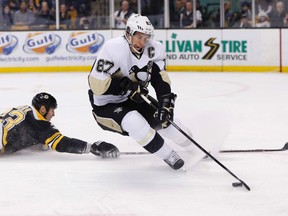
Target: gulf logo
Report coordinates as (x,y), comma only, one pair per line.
(7,43)
(41,43)
(84,42)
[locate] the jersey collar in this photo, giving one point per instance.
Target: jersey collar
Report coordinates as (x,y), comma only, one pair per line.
(37,115)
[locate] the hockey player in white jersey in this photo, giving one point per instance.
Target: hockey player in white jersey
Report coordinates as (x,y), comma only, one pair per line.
(121,73)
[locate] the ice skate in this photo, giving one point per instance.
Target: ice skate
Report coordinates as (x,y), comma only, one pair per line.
(174,161)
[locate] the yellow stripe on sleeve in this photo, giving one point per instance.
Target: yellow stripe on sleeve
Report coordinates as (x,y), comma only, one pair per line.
(50,139)
(55,143)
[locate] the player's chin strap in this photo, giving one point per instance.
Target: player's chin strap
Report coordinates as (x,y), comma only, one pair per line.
(195,143)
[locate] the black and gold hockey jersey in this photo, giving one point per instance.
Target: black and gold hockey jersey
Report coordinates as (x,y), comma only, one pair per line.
(24,126)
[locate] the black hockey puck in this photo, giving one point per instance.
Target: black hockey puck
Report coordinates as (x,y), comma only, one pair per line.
(237,184)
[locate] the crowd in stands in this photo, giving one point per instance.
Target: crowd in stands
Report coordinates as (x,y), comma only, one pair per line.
(41,14)
(79,14)
(268,13)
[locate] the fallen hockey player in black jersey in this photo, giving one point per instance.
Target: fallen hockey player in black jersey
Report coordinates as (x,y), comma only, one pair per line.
(28,126)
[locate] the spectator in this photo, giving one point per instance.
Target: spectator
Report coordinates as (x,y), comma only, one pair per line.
(44,16)
(206,13)
(264,6)
(244,18)
(121,16)
(175,13)
(228,21)
(95,21)
(83,7)
(262,20)
(14,5)
(186,17)
(246,9)
(134,6)
(7,18)
(51,3)
(278,16)
(37,4)
(244,21)
(64,16)
(84,23)
(73,14)
(154,10)
(183,2)
(32,6)
(24,16)
(228,16)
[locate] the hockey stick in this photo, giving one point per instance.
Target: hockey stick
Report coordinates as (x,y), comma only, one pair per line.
(284,148)
(240,183)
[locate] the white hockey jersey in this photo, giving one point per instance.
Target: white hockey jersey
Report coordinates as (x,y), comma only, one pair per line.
(115,60)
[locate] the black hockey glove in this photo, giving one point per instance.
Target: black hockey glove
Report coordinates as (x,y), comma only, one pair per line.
(104,150)
(165,111)
(135,89)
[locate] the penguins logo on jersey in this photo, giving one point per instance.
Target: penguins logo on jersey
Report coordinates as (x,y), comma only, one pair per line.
(142,75)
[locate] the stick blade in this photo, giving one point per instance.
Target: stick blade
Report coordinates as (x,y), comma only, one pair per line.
(285,146)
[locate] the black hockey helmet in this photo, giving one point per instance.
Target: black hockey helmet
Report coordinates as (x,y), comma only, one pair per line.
(44,99)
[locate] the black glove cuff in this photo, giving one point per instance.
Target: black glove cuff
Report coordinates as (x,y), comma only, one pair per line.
(95,149)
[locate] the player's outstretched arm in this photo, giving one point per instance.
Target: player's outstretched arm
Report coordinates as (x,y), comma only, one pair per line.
(76,146)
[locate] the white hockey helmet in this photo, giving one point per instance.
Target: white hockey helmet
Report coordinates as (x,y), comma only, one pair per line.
(138,23)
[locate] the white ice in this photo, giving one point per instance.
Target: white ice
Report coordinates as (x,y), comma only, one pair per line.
(250,110)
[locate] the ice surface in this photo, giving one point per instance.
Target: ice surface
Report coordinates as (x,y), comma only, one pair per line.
(250,110)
